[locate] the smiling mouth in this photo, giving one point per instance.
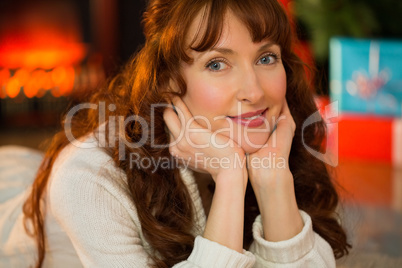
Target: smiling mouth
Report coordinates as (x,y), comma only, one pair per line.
(249,117)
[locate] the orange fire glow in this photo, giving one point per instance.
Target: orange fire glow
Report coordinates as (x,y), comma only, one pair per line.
(4,76)
(39,48)
(41,36)
(60,82)
(13,87)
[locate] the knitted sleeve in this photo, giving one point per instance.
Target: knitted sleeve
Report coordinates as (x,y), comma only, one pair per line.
(95,212)
(306,249)
(94,219)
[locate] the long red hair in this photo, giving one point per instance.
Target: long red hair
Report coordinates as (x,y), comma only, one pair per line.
(145,81)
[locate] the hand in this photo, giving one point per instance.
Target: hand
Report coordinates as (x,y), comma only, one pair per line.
(196,145)
(273,186)
(269,166)
(225,221)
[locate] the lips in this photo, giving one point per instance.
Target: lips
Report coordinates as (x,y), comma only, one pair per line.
(249,115)
(251,119)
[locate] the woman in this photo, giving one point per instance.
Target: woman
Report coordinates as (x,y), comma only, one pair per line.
(103,198)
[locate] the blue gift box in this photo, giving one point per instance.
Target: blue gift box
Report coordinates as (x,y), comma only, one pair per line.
(366,76)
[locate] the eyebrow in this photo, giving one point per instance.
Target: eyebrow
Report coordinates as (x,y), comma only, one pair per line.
(225,51)
(266,46)
(228,51)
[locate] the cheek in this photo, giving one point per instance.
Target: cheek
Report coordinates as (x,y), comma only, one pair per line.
(205,98)
(209,102)
(277,86)
(283,84)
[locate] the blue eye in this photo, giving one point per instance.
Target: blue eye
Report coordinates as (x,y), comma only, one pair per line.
(268,59)
(216,65)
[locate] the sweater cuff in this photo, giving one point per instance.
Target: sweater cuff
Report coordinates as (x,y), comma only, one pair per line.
(207,253)
(286,251)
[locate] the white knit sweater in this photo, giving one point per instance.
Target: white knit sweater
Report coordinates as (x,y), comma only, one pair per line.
(91,222)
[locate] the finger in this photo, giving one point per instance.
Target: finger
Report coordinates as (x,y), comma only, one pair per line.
(172,121)
(175,152)
(182,109)
(283,114)
(172,141)
(283,133)
(291,119)
(285,109)
(281,139)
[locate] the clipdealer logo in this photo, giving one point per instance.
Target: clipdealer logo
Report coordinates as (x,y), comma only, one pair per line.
(118,124)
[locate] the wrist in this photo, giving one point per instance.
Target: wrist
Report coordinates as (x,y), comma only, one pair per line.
(281,223)
(231,178)
(225,222)
(275,183)
(279,210)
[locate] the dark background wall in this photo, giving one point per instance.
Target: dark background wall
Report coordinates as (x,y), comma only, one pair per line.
(131,36)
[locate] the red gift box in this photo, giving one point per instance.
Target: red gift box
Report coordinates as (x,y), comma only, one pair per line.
(365,137)
(370,138)
(369,152)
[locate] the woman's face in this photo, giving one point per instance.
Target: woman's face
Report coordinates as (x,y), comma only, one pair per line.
(235,77)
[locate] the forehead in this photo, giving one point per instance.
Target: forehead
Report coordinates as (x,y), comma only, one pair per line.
(198,28)
(234,34)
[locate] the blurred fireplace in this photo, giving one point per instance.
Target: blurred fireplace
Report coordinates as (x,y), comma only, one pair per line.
(51,52)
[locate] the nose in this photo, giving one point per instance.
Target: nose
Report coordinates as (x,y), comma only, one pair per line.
(249,87)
